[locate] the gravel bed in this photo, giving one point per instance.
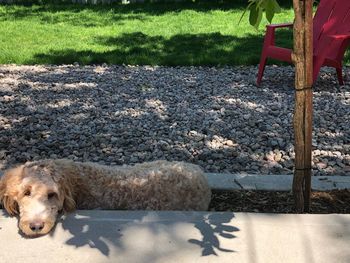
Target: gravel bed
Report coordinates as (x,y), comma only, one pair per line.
(214,117)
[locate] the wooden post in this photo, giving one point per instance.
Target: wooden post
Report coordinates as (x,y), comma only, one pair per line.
(302,57)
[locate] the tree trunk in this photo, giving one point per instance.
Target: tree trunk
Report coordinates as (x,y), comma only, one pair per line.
(302,57)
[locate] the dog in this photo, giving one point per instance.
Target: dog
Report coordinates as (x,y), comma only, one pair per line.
(39,191)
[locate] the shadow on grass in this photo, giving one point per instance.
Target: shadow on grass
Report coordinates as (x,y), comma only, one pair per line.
(145,8)
(187,49)
(104,15)
(75,15)
(138,48)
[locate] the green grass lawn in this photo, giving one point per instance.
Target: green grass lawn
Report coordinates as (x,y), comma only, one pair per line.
(155,34)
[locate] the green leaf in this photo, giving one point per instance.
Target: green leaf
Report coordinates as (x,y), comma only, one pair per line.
(260,3)
(258,7)
(277,6)
(253,16)
(269,10)
(245,11)
(260,12)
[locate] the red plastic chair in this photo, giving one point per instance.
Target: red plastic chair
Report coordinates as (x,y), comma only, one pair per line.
(331,37)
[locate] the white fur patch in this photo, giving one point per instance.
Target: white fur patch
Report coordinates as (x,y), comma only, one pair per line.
(37,210)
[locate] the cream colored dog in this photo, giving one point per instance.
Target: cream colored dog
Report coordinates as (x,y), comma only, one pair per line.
(38,191)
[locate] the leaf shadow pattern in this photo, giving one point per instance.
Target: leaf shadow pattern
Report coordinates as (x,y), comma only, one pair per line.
(109,233)
(212,227)
(85,231)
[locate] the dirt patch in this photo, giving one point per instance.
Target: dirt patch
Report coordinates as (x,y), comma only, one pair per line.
(336,201)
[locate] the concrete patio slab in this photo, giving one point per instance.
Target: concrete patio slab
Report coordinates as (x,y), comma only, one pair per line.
(138,236)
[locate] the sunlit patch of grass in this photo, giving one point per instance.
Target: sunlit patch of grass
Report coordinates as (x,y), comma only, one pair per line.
(155,34)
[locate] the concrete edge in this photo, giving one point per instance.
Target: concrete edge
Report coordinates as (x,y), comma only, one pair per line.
(282,182)
(218,181)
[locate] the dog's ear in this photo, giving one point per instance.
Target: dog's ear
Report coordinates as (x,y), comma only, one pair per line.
(8,190)
(66,177)
(69,204)
(10,205)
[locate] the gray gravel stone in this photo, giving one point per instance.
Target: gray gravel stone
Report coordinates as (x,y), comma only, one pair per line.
(215,117)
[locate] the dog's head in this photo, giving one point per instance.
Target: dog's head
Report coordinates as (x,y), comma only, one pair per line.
(37,195)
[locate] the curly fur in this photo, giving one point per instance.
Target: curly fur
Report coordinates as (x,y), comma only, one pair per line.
(38,191)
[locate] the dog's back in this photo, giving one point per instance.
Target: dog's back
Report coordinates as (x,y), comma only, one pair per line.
(157,185)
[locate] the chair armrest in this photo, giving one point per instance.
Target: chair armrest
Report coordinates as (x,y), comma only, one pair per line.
(340,37)
(280,25)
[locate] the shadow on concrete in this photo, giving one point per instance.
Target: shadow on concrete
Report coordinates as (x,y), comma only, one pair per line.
(343,233)
(145,229)
(212,227)
(87,232)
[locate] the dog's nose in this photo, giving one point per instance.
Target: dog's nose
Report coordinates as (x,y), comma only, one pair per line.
(36,226)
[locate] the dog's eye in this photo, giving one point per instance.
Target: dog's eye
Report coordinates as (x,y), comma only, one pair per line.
(51,195)
(27,192)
